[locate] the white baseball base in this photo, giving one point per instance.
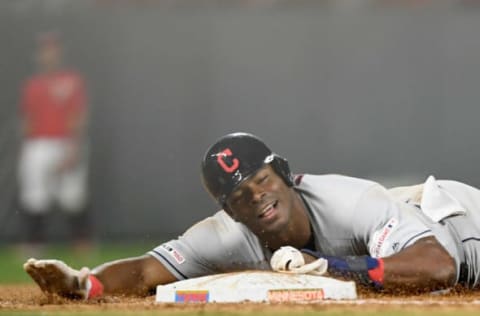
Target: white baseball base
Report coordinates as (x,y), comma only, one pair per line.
(256,286)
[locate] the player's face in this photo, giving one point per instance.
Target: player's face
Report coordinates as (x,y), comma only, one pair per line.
(48,56)
(263,202)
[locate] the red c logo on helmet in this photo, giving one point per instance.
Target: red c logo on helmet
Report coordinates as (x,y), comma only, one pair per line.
(221,161)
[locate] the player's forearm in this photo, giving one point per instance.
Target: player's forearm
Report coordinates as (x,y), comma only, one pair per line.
(133,276)
(423,266)
(77,125)
(422,280)
(124,277)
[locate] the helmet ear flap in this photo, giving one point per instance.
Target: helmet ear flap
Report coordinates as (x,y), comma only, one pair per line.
(280,165)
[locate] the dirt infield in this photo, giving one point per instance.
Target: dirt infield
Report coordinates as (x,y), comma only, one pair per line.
(29,298)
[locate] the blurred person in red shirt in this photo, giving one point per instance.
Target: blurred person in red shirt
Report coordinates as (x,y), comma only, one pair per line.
(53,162)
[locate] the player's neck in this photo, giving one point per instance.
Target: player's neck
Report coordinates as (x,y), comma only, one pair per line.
(299,228)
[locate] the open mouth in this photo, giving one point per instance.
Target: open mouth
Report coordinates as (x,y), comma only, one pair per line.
(268,210)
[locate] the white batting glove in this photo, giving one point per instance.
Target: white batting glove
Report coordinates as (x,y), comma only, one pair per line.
(55,277)
(290,260)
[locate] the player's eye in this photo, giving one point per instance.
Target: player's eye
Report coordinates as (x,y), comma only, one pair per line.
(263,179)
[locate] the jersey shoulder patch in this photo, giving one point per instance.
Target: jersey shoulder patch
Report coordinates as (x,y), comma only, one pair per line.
(380,245)
(174,253)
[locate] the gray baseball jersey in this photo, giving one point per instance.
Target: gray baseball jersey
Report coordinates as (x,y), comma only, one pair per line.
(349,216)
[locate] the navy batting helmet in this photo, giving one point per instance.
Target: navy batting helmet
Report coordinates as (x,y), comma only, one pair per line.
(235,157)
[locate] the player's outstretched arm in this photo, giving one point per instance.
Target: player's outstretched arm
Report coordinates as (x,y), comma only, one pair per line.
(131,276)
(424,266)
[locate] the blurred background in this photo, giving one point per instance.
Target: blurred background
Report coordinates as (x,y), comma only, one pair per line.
(382,89)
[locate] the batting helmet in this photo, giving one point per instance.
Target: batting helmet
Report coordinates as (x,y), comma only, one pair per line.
(235,157)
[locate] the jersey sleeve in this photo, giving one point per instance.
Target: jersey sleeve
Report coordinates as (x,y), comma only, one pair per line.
(214,245)
(386,225)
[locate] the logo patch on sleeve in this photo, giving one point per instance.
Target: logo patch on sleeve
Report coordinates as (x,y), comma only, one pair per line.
(380,244)
(174,253)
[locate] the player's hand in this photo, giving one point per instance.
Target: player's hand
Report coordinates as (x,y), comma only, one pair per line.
(71,158)
(55,277)
(290,260)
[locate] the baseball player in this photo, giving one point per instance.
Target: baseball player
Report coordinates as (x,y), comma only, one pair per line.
(421,238)
(52,165)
